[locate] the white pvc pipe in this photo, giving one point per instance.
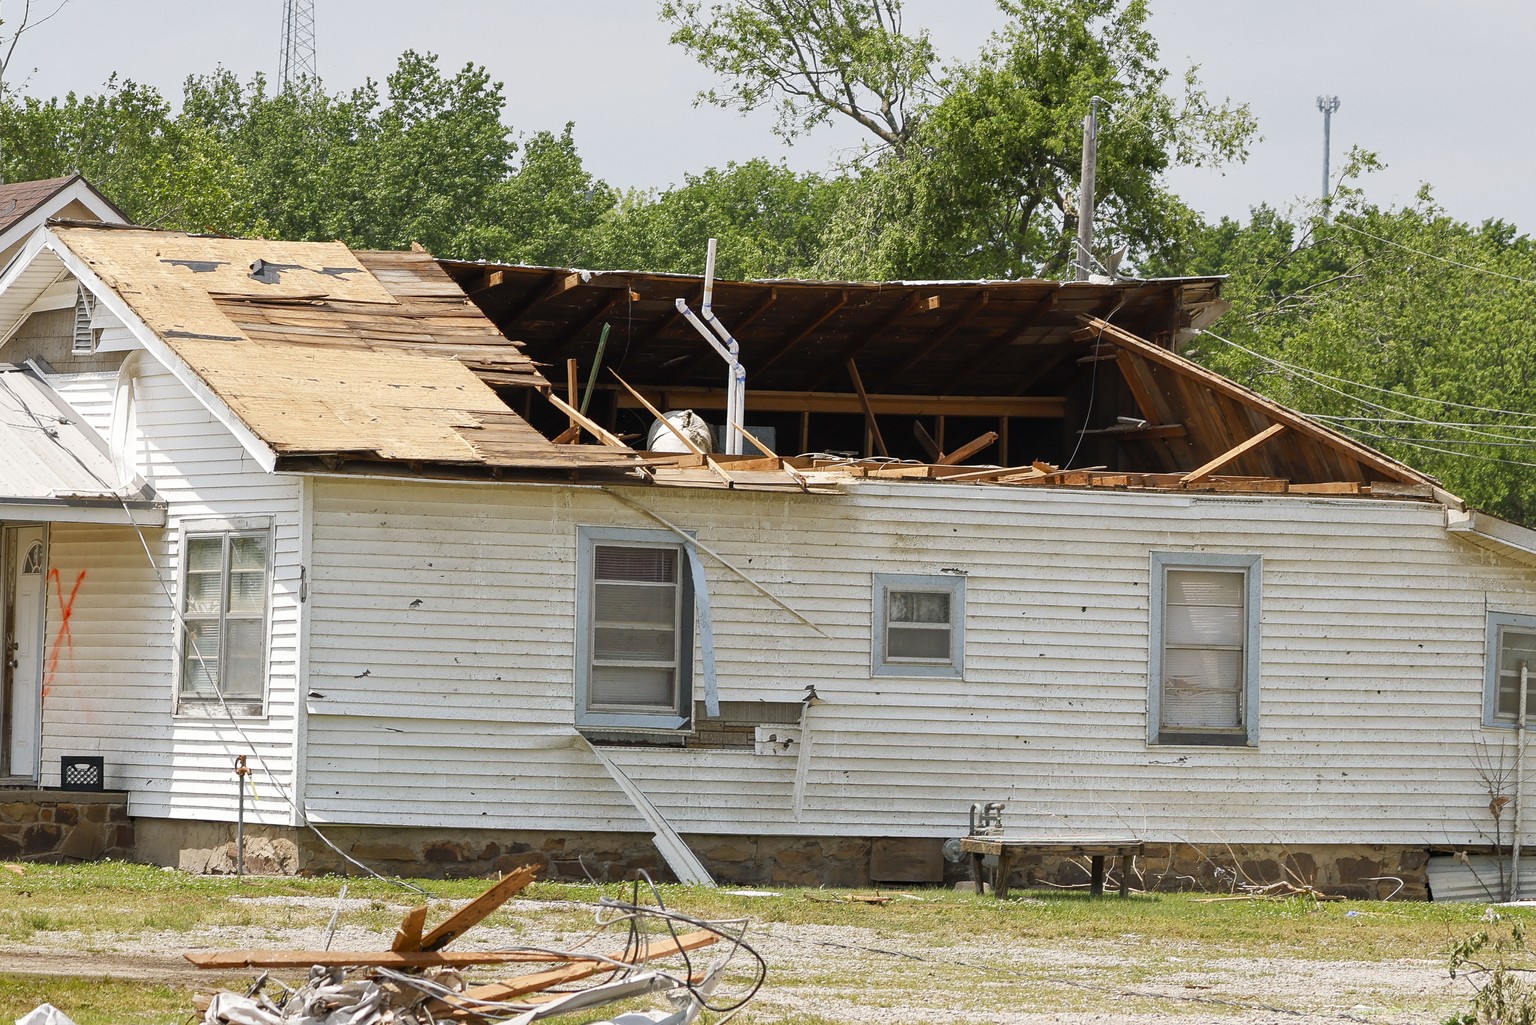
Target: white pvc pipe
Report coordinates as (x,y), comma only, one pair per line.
(715,333)
(707,313)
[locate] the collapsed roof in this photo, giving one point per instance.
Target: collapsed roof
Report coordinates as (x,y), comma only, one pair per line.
(1036,376)
(329,360)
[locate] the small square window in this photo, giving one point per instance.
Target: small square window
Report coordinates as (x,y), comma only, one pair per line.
(1511,651)
(919,625)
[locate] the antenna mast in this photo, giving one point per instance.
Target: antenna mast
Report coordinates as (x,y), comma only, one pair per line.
(1327,104)
(298,42)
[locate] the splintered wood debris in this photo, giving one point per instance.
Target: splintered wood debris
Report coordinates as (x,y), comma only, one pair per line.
(416,981)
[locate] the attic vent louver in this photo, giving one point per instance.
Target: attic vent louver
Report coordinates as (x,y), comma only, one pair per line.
(84,339)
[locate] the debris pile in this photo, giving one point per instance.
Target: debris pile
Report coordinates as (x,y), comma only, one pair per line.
(417,982)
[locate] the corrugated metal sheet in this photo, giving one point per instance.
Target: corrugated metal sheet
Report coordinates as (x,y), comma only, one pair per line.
(1477,878)
(47,452)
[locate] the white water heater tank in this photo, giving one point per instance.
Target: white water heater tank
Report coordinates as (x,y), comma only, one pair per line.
(689,423)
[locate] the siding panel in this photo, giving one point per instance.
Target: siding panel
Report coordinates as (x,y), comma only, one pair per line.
(444,630)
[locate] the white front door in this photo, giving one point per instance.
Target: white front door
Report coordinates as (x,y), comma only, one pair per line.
(25,565)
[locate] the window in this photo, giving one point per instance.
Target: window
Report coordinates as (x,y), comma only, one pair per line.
(634,630)
(1204,679)
(919,625)
(1511,646)
(225,579)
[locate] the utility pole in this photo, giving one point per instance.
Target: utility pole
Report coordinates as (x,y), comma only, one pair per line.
(1327,104)
(298,42)
(1085,201)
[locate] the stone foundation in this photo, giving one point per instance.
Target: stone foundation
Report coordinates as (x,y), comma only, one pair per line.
(1361,871)
(1347,870)
(64,826)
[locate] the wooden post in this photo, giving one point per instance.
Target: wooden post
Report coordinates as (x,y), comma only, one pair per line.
(1096,878)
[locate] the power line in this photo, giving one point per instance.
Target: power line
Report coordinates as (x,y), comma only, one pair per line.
(1307,372)
(1432,256)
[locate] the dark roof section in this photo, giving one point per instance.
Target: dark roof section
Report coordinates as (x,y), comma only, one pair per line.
(914,338)
(19,199)
(1074,374)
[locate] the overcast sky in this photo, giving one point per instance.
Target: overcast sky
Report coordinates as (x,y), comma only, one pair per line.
(1436,87)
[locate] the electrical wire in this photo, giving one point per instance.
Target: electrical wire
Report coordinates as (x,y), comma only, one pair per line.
(634,912)
(1432,256)
(1317,377)
(1093,389)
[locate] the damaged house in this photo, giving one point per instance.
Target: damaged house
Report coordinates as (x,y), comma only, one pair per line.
(357,517)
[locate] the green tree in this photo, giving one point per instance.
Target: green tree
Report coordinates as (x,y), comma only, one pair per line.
(161,170)
(975,175)
(1403,327)
(769,221)
(811,60)
(425,158)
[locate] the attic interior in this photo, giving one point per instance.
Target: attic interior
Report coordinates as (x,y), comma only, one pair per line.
(1043,376)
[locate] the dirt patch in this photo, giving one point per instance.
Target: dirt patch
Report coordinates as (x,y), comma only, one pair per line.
(862,976)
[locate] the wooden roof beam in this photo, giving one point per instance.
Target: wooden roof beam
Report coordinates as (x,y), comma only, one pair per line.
(555,284)
(569,341)
(1152,403)
(1232,455)
(1039,407)
(959,320)
(755,367)
(1367,458)
(914,302)
(988,355)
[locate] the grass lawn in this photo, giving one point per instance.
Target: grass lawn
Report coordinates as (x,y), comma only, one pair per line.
(103,910)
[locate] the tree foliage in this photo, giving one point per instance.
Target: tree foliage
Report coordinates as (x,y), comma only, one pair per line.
(1402,327)
(769,221)
(811,60)
(423,158)
(977,174)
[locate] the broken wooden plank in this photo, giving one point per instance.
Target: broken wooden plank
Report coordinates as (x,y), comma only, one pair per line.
(408,936)
(993,474)
(967,450)
(366,958)
(1343,487)
(468,916)
(1232,454)
(590,426)
(869,413)
(926,440)
(533,983)
(677,432)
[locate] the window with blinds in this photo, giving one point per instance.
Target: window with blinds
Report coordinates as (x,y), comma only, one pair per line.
(636,630)
(919,625)
(1511,654)
(1204,684)
(225,580)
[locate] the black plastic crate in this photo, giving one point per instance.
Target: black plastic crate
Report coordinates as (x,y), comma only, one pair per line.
(82,772)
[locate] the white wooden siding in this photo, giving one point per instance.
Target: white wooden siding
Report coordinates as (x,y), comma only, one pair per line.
(112,691)
(90,395)
(444,626)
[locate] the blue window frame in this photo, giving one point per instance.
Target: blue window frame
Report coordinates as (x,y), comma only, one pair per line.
(634,630)
(1203,684)
(1511,644)
(919,625)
